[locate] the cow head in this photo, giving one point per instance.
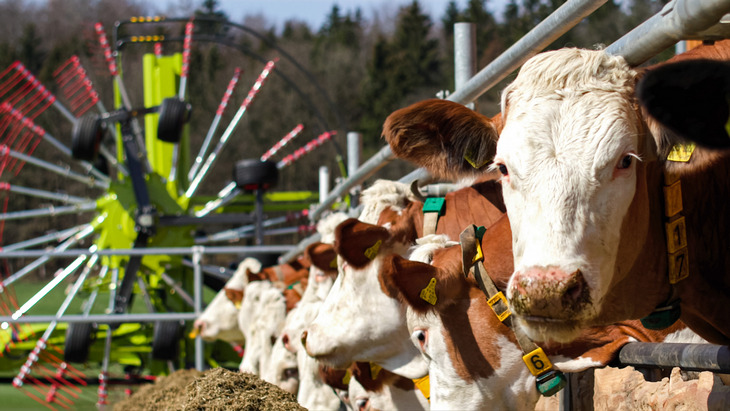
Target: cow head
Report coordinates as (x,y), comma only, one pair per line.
(358,321)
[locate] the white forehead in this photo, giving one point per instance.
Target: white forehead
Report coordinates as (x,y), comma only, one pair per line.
(565,109)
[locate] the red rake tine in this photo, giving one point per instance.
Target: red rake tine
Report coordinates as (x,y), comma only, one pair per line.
(283,142)
(33,396)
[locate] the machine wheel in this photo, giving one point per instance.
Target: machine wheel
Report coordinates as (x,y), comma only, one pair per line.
(79,337)
(252,174)
(86,137)
(166,340)
(174,113)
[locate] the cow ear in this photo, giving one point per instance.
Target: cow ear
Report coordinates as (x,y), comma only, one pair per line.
(322,256)
(413,282)
(252,276)
(359,243)
(448,139)
(690,98)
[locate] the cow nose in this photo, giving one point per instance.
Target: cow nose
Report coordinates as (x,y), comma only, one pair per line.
(548,292)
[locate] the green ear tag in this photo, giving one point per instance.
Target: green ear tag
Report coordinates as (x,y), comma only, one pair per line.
(434,205)
(550,383)
(663,317)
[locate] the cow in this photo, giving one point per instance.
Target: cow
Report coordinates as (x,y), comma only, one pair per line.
(219,319)
(474,359)
(260,319)
(376,329)
(584,172)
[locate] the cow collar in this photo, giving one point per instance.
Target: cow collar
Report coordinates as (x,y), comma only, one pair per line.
(433,208)
(675,232)
(548,380)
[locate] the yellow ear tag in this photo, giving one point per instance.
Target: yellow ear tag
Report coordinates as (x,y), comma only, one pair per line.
(469,157)
(193,333)
(237,304)
(374,370)
(333,263)
(428,294)
(346,378)
(372,252)
(681,152)
(424,385)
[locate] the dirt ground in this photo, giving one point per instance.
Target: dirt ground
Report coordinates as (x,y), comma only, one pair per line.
(216,389)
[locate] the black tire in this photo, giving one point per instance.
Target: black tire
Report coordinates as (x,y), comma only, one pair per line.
(79,337)
(174,113)
(252,174)
(166,340)
(86,137)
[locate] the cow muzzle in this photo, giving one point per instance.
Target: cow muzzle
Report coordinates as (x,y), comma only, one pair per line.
(549,293)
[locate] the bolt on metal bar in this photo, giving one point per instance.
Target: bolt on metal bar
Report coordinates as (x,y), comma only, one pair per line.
(62,171)
(677,20)
(178,289)
(50,211)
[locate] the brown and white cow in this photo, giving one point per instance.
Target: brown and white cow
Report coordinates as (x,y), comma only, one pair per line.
(474,359)
(583,172)
(219,319)
(376,329)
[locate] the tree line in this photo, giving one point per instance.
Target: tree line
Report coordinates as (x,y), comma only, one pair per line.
(347,75)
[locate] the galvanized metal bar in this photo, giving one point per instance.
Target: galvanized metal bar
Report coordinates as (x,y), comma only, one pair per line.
(45,238)
(225,196)
(465,55)
(62,171)
(214,126)
(354,157)
(216,271)
(324,182)
(45,256)
(677,20)
(95,292)
(49,286)
(102,318)
(273,249)
(178,289)
(145,295)
(689,357)
(50,211)
(370,167)
(554,26)
(48,195)
(198,252)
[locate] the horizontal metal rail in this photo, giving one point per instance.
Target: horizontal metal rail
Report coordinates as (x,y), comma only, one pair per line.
(102,318)
(689,357)
(272,249)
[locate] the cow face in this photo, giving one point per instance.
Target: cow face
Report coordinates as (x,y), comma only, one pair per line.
(358,321)
(570,156)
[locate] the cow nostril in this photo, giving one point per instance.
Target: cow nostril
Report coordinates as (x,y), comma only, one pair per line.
(285,340)
(304,339)
(575,290)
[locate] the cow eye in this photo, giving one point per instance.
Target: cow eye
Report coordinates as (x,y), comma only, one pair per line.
(421,336)
(503,169)
(625,162)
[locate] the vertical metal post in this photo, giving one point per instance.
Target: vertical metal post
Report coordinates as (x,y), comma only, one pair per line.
(324,182)
(465,55)
(259,210)
(354,150)
(198,296)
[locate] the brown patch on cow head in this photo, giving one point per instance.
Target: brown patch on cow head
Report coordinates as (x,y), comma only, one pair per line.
(446,138)
(322,256)
(406,224)
(359,243)
(234,295)
(406,280)
(252,276)
(333,377)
